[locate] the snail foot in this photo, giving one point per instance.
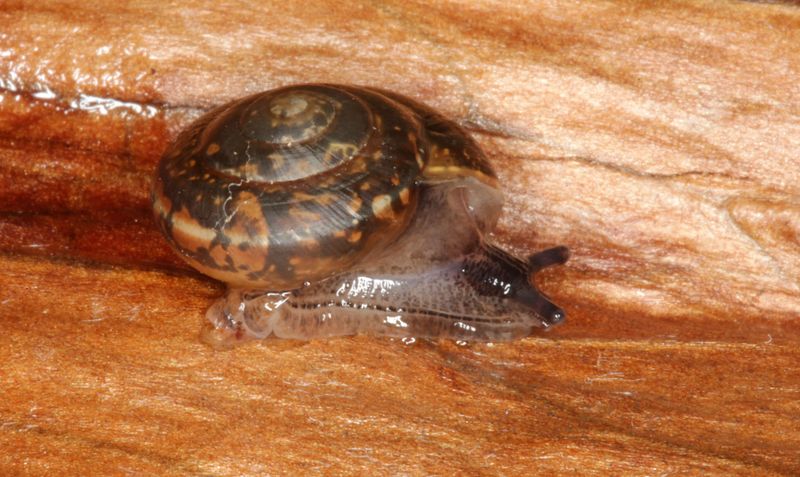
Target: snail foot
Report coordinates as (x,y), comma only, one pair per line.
(241,316)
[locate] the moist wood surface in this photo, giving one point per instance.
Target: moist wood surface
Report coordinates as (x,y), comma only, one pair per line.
(660,143)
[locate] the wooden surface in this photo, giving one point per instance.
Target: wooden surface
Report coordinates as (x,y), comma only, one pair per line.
(660,143)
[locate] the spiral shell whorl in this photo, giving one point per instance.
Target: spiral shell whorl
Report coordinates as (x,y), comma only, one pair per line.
(288,135)
(291,185)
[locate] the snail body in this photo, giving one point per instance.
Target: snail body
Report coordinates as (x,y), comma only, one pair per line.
(337,210)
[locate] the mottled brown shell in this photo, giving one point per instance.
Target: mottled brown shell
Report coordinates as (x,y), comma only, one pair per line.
(299,183)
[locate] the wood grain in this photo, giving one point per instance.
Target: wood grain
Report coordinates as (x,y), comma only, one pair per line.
(660,142)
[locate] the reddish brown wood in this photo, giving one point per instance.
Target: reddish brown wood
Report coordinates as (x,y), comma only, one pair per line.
(659,142)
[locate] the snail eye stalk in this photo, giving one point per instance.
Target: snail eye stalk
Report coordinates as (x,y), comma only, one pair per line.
(547,258)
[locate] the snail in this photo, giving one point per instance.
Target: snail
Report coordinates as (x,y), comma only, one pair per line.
(333,210)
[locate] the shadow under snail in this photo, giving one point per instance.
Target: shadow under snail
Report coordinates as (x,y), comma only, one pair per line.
(335,210)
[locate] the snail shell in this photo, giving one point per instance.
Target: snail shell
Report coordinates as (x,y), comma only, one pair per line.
(333,210)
